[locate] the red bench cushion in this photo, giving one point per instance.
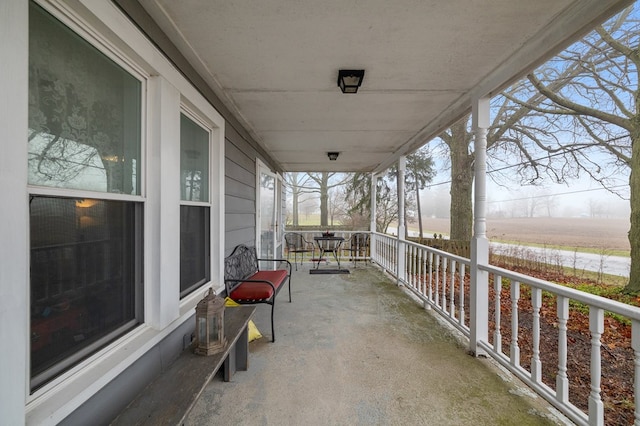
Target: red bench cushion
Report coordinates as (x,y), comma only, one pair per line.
(248,291)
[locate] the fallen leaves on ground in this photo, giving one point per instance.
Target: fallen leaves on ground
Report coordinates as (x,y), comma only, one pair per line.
(617,365)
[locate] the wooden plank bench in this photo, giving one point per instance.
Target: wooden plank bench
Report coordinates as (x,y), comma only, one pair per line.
(169,398)
(246,283)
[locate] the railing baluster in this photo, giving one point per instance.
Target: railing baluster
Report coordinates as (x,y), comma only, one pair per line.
(562,381)
(536,364)
(452,278)
(596,327)
(430,272)
(385,253)
(417,269)
(461,319)
(443,303)
(437,280)
(415,266)
(409,267)
(497,335)
(515,349)
(635,344)
(396,252)
(423,273)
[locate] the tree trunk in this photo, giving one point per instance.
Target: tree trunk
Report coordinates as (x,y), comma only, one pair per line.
(296,212)
(461,212)
(295,196)
(324,200)
(634,200)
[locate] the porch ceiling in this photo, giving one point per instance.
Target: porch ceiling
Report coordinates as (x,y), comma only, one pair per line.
(274,64)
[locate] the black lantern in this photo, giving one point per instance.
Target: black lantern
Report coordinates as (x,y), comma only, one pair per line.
(333,156)
(350,80)
(210,337)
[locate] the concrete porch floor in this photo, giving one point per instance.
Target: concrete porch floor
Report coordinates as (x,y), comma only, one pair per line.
(357,350)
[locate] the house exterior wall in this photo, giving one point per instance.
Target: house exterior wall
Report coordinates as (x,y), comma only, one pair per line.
(96,388)
(240,192)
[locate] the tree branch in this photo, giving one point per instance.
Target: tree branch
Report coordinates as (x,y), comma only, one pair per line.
(577,108)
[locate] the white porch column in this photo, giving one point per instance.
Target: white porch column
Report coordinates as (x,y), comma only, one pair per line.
(374,196)
(478,309)
(402,166)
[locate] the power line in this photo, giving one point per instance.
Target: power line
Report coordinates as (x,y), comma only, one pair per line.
(559,193)
(521,164)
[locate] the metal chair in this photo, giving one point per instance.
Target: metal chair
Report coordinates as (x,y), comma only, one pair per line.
(296,243)
(358,247)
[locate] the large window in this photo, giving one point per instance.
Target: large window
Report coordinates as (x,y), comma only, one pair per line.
(84,138)
(194,209)
(83,278)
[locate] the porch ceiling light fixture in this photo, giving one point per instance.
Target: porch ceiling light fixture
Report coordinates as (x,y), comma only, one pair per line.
(333,156)
(350,80)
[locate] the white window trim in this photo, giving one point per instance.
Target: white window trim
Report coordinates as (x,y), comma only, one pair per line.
(109,30)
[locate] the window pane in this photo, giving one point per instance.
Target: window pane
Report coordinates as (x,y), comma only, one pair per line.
(84,113)
(194,161)
(194,248)
(83,279)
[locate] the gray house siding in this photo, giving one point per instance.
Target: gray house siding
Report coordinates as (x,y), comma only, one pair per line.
(240,190)
(107,403)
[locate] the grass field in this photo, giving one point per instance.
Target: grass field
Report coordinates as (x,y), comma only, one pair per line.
(593,234)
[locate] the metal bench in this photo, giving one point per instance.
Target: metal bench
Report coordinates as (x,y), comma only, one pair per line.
(247,284)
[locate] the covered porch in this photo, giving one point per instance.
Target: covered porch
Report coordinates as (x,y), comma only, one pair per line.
(258,84)
(357,349)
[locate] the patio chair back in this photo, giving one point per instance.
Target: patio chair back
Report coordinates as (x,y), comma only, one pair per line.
(296,243)
(358,246)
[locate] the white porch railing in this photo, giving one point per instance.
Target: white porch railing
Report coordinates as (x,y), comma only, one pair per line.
(441,281)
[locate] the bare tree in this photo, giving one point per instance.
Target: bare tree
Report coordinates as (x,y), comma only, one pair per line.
(576,114)
(324,182)
(595,112)
(387,207)
(297,184)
